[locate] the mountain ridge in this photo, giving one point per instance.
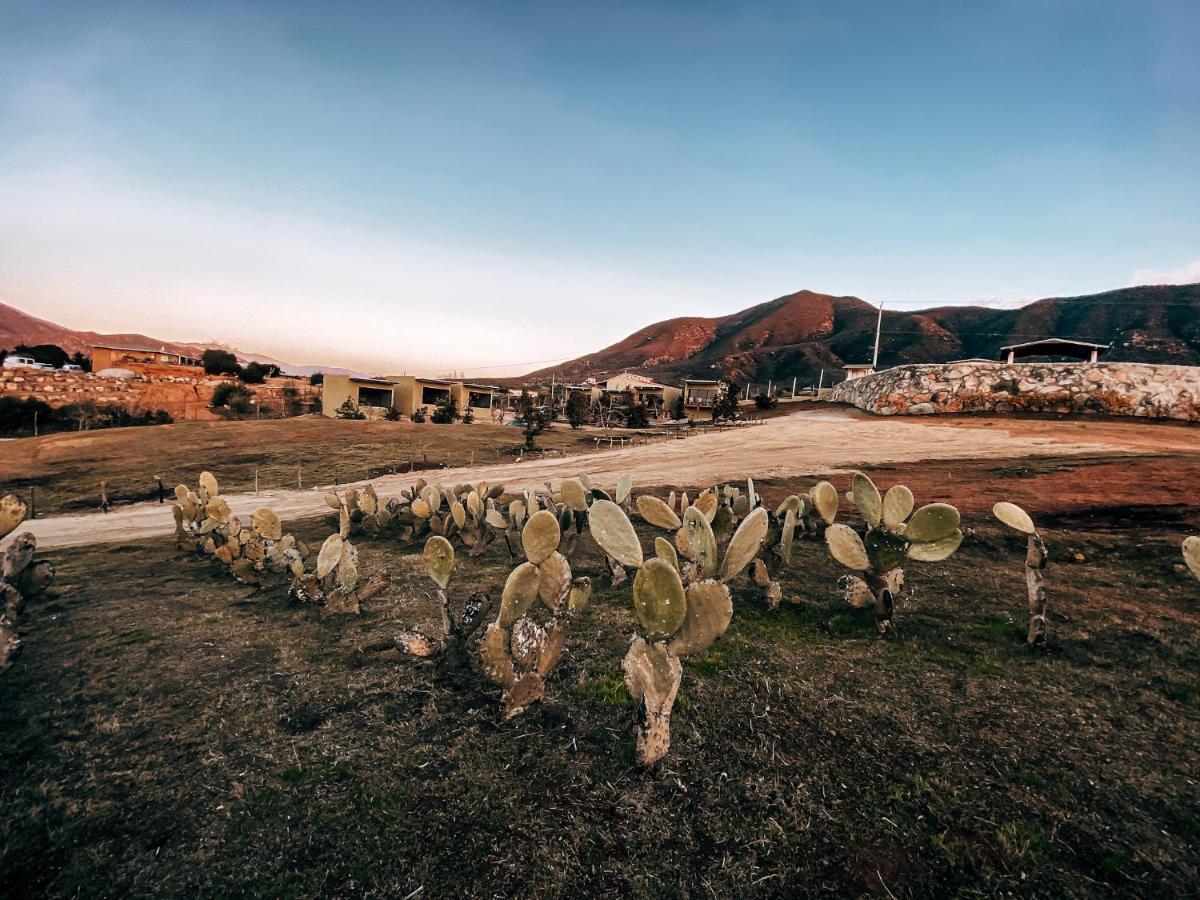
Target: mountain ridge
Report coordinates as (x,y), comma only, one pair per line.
(796,335)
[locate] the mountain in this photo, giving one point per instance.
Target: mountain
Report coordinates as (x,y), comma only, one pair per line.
(797,335)
(17,327)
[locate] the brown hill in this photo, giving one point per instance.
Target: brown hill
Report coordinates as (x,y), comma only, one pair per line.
(799,334)
(17,327)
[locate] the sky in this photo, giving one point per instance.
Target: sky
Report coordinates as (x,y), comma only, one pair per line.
(488,188)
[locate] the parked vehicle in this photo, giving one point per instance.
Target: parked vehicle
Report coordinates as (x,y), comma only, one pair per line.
(21,362)
(71,367)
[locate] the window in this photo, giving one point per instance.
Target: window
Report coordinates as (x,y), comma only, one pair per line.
(432,396)
(479,400)
(374,397)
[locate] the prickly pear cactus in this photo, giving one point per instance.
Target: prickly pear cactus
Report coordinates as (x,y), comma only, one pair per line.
(1036,558)
(518,652)
(1191,554)
(23,576)
(894,534)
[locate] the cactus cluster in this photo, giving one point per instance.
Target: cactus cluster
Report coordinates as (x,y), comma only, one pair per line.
(23,576)
(680,596)
(335,583)
(1035,561)
(517,651)
(449,638)
(249,550)
(894,534)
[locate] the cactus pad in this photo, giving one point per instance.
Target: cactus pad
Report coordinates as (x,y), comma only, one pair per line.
(12,513)
(520,590)
(856,592)
(614,533)
(664,550)
(330,553)
(707,504)
(659,599)
(867,499)
(209,482)
(266,524)
(936,551)
(652,676)
(554,581)
(1013,516)
(709,611)
(702,541)
(580,594)
(897,506)
(745,544)
(657,513)
(847,547)
(825,501)
(884,549)
(1191,554)
(540,536)
(624,489)
(574,494)
(932,523)
(439,560)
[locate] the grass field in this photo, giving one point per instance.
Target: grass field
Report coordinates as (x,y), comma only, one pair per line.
(168,731)
(66,469)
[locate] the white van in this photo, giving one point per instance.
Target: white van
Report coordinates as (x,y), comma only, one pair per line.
(71,367)
(21,362)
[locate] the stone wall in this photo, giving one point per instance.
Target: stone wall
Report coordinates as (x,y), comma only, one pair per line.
(1115,389)
(62,388)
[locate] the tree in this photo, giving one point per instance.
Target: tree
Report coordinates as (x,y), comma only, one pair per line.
(349,410)
(257,373)
(220,362)
(726,404)
(84,362)
(637,416)
(579,407)
(535,419)
(677,411)
(316,378)
(446,411)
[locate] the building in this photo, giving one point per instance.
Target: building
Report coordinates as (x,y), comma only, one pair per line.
(647,391)
(106,356)
(699,396)
(858,370)
(1081,350)
(372,396)
(403,393)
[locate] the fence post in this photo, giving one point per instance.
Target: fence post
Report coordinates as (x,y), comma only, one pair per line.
(32,502)
(299,483)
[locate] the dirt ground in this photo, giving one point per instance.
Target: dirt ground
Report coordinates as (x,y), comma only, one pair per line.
(802,443)
(168,732)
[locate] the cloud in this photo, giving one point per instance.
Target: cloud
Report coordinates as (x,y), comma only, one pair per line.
(1188,274)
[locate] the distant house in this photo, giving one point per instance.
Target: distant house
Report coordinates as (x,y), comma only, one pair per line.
(1081,350)
(404,393)
(647,391)
(858,370)
(700,395)
(114,356)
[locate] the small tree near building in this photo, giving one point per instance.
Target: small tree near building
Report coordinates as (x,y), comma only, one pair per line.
(349,410)
(763,402)
(535,419)
(726,405)
(637,416)
(579,407)
(677,411)
(220,362)
(445,412)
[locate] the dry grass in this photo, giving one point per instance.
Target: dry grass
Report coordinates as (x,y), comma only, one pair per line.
(168,732)
(66,469)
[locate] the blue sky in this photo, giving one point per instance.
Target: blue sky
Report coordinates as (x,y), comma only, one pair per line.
(473,186)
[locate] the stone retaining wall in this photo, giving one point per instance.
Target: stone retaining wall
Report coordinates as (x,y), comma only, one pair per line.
(1115,389)
(62,388)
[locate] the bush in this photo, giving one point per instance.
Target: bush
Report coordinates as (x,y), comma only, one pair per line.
(468,416)
(419,414)
(391,414)
(220,362)
(349,410)
(316,378)
(50,354)
(232,397)
(726,405)
(677,411)
(17,416)
(445,412)
(762,401)
(257,373)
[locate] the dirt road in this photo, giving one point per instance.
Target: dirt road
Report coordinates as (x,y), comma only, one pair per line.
(822,441)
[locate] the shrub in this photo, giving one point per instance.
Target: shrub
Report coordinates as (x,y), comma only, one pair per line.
(578,410)
(349,410)
(677,411)
(419,414)
(257,373)
(391,414)
(445,412)
(726,405)
(637,416)
(230,394)
(219,362)
(762,401)
(468,416)
(316,378)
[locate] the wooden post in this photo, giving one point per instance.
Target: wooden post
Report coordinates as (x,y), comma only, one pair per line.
(255,481)
(104,504)
(32,502)
(299,483)
(794,387)
(820,384)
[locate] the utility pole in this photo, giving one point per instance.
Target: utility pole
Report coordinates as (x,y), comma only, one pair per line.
(878,329)
(820,384)
(770,384)
(794,387)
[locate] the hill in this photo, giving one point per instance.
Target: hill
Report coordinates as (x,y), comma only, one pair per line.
(17,327)
(801,333)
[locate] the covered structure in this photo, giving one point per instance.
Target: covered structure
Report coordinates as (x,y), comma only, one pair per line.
(858,370)
(700,395)
(372,396)
(116,356)
(1081,350)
